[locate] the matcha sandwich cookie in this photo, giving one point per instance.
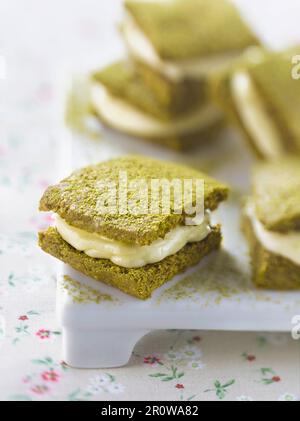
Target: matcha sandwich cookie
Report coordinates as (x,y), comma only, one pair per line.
(178,117)
(263,99)
(143,88)
(185,38)
(272,224)
(143,242)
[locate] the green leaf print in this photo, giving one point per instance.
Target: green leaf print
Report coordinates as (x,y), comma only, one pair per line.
(221,389)
(77,395)
(268,376)
(33,313)
(172,374)
(265,371)
(46,361)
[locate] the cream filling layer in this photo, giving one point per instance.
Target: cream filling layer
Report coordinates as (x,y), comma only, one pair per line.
(132,256)
(285,245)
(143,50)
(124,117)
(254,116)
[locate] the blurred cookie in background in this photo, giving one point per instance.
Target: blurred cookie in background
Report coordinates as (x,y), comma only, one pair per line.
(272,224)
(177,115)
(183,39)
(260,96)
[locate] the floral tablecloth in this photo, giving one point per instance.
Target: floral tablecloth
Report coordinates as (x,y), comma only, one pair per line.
(36,39)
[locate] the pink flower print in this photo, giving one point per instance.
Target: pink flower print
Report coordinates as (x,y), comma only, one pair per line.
(43,334)
(179,386)
(249,357)
(276,379)
(24,317)
(50,376)
(151,360)
(39,389)
(197,338)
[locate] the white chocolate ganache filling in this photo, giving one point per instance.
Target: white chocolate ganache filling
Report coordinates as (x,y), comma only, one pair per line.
(132,256)
(254,117)
(142,49)
(124,117)
(286,245)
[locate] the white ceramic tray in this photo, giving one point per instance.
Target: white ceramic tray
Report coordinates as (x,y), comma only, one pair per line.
(217,294)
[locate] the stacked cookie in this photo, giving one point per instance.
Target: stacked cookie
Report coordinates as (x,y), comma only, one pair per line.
(135,251)
(262,99)
(160,93)
(272,224)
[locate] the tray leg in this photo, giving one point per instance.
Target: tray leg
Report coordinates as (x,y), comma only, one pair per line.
(99,348)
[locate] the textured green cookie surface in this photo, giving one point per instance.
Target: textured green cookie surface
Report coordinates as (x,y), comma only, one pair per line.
(185,29)
(269,270)
(75,198)
(276,194)
(144,89)
(139,282)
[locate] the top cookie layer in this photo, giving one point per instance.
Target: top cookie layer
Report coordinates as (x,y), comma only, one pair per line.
(76,198)
(277,194)
(187,29)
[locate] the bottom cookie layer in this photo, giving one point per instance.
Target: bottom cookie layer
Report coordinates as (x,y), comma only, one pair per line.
(270,270)
(138,282)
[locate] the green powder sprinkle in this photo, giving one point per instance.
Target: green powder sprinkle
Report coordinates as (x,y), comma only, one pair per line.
(222,278)
(84,294)
(78,114)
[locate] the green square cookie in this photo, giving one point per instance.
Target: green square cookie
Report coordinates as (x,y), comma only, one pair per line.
(176,115)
